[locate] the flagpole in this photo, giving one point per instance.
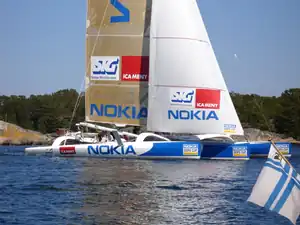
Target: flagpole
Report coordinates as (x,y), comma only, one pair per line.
(282,156)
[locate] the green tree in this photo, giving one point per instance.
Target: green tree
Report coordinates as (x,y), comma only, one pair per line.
(287,119)
(48,112)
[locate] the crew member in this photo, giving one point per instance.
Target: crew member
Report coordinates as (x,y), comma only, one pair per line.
(136,130)
(105,136)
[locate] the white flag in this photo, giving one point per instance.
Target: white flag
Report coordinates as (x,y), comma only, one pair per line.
(278,187)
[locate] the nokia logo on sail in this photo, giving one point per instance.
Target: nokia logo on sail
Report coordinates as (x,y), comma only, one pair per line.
(192,115)
(182,97)
(105,67)
(118,111)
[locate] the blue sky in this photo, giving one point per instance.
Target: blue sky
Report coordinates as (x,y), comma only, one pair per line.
(42,44)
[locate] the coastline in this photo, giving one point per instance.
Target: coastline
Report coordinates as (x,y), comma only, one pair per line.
(18,142)
(12,134)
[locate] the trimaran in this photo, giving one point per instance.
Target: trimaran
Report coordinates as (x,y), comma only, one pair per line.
(150,63)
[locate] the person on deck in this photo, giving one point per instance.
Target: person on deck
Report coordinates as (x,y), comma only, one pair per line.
(105,137)
(136,130)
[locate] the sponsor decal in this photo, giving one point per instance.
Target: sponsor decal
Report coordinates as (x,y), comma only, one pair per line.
(190,149)
(135,68)
(207,99)
(239,151)
(105,67)
(283,148)
(110,150)
(123,10)
(192,115)
(229,128)
(67,150)
(182,97)
(118,111)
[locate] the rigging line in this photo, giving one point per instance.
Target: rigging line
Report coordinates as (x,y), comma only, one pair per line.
(76,104)
(88,65)
(262,113)
(98,35)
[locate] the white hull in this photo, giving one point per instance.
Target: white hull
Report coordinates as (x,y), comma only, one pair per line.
(145,146)
(135,150)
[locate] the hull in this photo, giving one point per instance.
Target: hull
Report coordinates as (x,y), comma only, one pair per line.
(133,150)
(261,149)
(39,150)
(225,151)
(149,150)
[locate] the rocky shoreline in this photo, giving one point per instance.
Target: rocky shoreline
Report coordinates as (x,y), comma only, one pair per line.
(11,134)
(14,135)
(253,134)
(27,142)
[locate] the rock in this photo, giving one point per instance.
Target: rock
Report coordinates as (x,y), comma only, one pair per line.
(253,134)
(11,134)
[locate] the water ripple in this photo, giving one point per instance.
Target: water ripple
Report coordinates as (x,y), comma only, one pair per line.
(41,190)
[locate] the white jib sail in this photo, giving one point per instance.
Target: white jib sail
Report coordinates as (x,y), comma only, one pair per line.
(187,91)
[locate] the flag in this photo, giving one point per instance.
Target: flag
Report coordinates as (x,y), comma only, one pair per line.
(278,187)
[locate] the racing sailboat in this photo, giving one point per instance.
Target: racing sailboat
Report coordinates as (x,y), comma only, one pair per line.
(179,89)
(116,84)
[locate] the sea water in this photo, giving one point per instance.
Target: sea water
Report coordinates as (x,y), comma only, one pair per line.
(49,190)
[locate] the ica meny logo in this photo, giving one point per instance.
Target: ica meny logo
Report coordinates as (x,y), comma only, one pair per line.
(105,67)
(182,97)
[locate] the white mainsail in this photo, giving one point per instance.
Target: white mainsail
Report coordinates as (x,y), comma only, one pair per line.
(187,91)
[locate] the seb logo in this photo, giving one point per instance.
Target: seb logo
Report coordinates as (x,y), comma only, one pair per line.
(123,10)
(105,67)
(207,99)
(135,68)
(182,97)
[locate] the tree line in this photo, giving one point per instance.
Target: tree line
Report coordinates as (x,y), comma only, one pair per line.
(46,113)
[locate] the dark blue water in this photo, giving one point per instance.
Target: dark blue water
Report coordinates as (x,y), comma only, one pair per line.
(43,190)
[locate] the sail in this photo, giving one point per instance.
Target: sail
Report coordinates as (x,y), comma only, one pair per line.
(187,91)
(117,59)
